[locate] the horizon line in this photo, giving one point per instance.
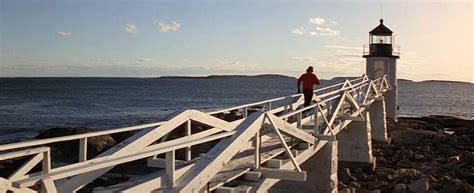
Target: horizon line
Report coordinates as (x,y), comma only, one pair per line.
(210,76)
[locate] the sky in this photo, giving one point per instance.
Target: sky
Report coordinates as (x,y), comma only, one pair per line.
(124,38)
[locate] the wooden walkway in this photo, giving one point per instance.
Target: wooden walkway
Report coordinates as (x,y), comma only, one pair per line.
(251,153)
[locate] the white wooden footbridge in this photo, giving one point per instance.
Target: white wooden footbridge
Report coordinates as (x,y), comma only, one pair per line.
(273,140)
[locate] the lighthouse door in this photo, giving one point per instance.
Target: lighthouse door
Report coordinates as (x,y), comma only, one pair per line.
(379,69)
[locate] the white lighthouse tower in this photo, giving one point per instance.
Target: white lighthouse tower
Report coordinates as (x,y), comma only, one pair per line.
(382,57)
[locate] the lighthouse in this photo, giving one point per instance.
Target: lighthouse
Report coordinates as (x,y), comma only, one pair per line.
(381,59)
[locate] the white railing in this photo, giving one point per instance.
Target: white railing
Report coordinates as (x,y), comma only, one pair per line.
(336,105)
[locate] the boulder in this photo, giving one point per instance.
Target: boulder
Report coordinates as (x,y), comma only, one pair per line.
(119,137)
(411,136)
(70,149)
(230,116)
(408,153)
(419,186)
(456,186)
(418,156)
(374,185)
(345,190)
(448,121)
(346,176)
(388,152)
(404,163)
(399,188)
(356,185)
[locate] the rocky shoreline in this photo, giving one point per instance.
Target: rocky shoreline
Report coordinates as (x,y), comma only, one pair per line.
(432,154)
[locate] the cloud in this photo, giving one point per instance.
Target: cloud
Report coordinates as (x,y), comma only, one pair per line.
(327,31)
(239,65)
(418,76)
(333,23)
(303,60)
(303,31)
(317,21)
(299,31)
(412,62)
(343,47)
(142,60)
(407,53)
(312,33)
(174,26)
(95,59)
(227,65)
(349,55)
(318,32)
(63,34)
(321,21)
(131,29)
(298,58)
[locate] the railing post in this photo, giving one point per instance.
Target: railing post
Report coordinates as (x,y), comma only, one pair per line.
(341,110)
(316,119)
(46,163)
(188,133)
(298,119)
(47,185)
(170,167)
(269,106)
(328,108)
(83,149)
(285,109)
(359,95)
(245,112)
(257,150)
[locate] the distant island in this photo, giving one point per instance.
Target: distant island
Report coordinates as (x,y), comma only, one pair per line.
(405,80)
(408,80)
(228,76)
(447,81)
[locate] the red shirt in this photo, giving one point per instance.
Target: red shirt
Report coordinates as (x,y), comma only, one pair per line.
(309,80)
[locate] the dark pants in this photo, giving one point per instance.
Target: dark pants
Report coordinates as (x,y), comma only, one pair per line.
(308,95)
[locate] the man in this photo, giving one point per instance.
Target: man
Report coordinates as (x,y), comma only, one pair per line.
(309,80)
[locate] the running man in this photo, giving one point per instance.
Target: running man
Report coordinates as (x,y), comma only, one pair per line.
(309,80)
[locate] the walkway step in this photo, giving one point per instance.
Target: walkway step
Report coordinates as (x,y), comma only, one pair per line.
(303,145)
(274,163)
(224,189)
(253,176)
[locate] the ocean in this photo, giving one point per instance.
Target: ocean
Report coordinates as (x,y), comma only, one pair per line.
(30,105)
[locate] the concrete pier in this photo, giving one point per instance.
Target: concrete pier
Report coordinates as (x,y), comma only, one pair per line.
(324,168)
(355,145)
(321,173)
(378,120)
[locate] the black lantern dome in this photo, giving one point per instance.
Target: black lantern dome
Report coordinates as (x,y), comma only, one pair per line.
(381,30)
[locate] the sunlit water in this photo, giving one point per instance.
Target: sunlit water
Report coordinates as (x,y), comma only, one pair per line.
(29,105)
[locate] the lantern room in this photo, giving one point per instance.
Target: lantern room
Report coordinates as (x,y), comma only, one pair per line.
(381,42)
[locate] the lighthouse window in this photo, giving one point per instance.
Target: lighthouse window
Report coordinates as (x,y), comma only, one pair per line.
(381,39)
